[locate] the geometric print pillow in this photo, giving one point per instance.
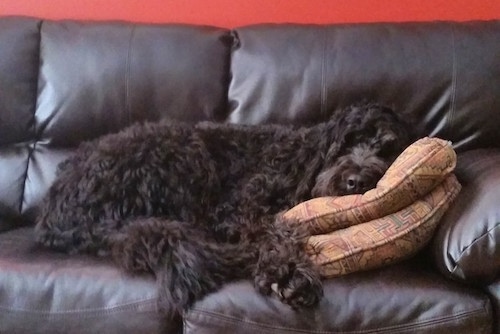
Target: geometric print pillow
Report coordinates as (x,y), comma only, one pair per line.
(388,223)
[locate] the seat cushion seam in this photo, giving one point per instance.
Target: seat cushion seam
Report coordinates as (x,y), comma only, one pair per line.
(131,305)
(389,329)
(474,242)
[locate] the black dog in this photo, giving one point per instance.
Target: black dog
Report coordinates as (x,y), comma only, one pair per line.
(199,205)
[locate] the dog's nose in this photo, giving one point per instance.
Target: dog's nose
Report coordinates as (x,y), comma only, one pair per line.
(354,183)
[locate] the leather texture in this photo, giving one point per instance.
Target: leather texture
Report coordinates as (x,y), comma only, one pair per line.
(63,82)
(444,76)
(405,298)
(19,57)
(47,292)
(466,244)
(494,291)
(89,79)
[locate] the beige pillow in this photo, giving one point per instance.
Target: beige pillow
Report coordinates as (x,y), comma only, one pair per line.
(420,168)
(388,223)
(384,240)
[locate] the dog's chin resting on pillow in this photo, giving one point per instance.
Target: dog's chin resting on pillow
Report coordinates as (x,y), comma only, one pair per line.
(198,205)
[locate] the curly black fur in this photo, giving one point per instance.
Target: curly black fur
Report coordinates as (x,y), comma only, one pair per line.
(199,205)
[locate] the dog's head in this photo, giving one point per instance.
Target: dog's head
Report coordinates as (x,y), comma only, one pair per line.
(368,138)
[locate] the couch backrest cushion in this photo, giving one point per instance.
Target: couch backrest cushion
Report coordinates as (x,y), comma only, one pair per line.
(62,82)
(19,45)
(446,76)
(96,78)
(70,81)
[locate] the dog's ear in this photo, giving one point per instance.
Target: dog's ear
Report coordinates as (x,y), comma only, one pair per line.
(346,126)
(308,180)
(372,123)
(332,153)
(394,132)
(336,135)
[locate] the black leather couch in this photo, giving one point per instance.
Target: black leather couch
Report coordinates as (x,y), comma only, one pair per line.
(65,82)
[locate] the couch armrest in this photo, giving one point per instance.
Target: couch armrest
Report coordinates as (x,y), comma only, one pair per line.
(466,245)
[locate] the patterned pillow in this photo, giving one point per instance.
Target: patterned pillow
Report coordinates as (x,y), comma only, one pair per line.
(422,166)
(388,223)
(384,240)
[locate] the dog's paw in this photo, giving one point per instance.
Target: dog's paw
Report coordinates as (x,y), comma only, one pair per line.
(302,289)
(297,287)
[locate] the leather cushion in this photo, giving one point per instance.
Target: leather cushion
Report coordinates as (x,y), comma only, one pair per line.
(19,53)
(63,82)
(466,244)
(442,75)
(403,298)
(46,292)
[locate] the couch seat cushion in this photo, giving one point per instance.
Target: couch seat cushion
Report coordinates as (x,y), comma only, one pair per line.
(46,292)
(404,298)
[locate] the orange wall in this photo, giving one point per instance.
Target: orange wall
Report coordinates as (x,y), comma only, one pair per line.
(231,13)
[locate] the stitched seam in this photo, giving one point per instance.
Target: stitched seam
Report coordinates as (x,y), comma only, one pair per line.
(127,76)
(436,321)
(324,97)
(389,329)
(35,135)
(31,148)
(477,240)
(451,113)
(104,310)
(222,113)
